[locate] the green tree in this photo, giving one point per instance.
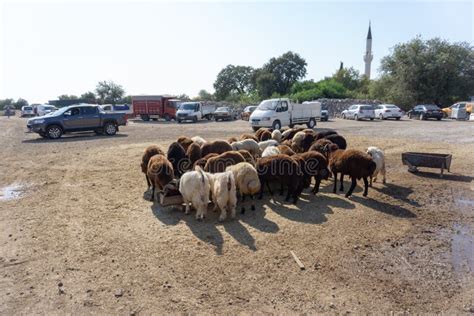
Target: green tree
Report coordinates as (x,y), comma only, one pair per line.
(126,100)
(350,78)
(265,84)
(183,97)
(109,92)
(427,71)
(89,96)
(5,102)
(20,102)
(233,80)
(67,97)
(204,95)
(286,69)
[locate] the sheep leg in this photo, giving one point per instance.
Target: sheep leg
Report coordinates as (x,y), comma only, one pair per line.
(383,174)
(366,186)
(341,187)
(353,185)
(148,181)
(153,193)
(317,184)
(335,183)
(370,183)
(281,188)
(261,190)
(223,213)
(252,207)
(290,191)
(269,189)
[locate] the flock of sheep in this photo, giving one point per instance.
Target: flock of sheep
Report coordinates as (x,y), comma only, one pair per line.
(220,170)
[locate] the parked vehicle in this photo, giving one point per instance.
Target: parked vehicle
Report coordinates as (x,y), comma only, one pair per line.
(324,111)
(245,115)
(454,110)
(76,118)
(426,111)
(27,110)
(194,111)
(386,111)
(43,109)
(154,107)
(224,113)
(276,113)
(359,112)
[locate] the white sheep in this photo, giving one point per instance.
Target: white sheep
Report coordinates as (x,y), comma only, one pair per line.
(271,151)
(224,194)
(276,135)
(266,143)
(246,180)
(379,158)
(247,144)
(298,139)
(199,140)
(195,188)
(286,133)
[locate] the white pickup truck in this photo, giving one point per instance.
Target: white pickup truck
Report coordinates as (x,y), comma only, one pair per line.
(276,113)
(194,111)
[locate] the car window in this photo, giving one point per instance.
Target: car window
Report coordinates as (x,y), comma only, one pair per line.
(89,110)
(72,112)
(366,107)
(284,106)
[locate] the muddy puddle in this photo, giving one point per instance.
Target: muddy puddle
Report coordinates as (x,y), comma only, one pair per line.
(11,192)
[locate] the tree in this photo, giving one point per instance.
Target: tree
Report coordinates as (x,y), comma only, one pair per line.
(427,71)
(20,102)
(5,102)
(126,100)
(286,69)
(89,96)
(183,97)
(265,84)
(350,78)
(67,97)
(309,90)
(233,80)
(205,96)
(109,92)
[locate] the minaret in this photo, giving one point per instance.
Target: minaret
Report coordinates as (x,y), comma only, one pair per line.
(368,53)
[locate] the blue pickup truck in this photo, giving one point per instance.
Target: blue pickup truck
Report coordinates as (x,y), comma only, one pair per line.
(76,118)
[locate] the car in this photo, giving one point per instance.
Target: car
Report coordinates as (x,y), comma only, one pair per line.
(426,111)
(224,113)
(386,111)
(43,109)
(245,115)
(76,118)
(358,112)
(27,110)
(449,113)
(324,115)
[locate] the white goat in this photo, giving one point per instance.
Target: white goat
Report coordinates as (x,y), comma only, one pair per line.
(199,140)
(271,151)
(195,187)
(247,144)
(266,143)
(378,156)
(224,194)
(276,135)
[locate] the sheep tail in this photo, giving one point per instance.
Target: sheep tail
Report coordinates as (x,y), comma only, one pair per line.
(229,182)
(199,170)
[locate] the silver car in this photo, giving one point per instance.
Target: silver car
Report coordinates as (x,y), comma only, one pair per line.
(358,112)
(27,110)
(386,111)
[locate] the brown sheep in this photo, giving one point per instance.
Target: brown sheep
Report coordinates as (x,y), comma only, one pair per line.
(193,153)
(232,140)
(248,136)
(202,161)
(316,165)
(287,142)
(290,133)
(323,134)
(338,140)
(150,151)
(185,142)
(259,132)
(222,161)
(265,135)
(283,169)
(286,150)
(247,156)
(217,147)
(354,163)
(177,156)
(160,172)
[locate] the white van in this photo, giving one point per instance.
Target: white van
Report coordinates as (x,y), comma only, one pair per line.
(276,113)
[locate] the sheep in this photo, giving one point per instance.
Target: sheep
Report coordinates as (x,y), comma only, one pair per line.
(246,180)
(271,151)
(284,149)
(150,151)
(193,153)
(378,156)
(247,156)
(259,132)
(287,142)
(220,162)
(265,135)
(248,144)
(185,142)
(232,140)
(195,188)
(296,142)
(265,144)
(248,136)
(288,134)
(338,140)
(160,172)
(283,169)
(354,163)
(276,135)
(323,146)
(202,161)
(177,156)
(224,193)
(199,140)
(323,134)
(316,165)
(218,147)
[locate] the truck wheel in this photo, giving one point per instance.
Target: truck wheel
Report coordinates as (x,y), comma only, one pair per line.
(311,123)
(276,125)
(195,119)
(110,129)
(167,118)
(179,121)
(145,117)
(54,131)
(422,117)
(356,117)
(343,116)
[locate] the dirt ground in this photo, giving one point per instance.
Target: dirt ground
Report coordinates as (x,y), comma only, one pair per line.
(81,238)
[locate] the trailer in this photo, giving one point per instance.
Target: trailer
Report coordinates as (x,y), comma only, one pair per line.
(155,107)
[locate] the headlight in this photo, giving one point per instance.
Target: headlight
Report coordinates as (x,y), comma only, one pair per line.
(38,121)
(265,119)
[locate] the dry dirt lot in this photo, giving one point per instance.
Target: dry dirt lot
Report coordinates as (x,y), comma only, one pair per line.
(81,239)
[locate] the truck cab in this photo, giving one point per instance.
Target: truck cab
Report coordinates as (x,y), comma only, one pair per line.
(194,111)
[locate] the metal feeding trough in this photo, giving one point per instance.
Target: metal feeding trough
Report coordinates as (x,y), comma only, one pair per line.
(414,160)
(170,194)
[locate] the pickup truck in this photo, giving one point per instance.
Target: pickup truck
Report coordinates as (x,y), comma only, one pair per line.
(76,118)
(194,111)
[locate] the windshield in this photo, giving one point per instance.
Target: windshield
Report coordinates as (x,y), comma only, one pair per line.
(188,106)
(222,110)
(391,106)
(268,105)
(431,107)
(28,108)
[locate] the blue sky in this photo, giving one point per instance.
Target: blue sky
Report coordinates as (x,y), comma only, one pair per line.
(56,47)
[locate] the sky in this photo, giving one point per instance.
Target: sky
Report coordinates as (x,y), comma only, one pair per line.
(49,48)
